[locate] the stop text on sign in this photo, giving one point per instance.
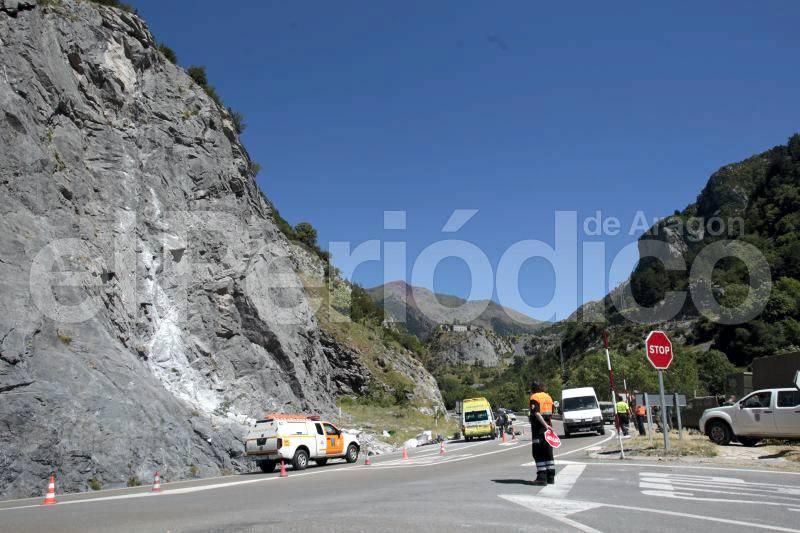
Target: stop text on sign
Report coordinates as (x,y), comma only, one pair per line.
(660,350)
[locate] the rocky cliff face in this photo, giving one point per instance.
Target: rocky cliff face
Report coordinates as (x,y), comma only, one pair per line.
(475,345)
(148,303)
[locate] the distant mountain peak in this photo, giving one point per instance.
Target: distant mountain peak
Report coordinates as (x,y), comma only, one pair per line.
(425,310)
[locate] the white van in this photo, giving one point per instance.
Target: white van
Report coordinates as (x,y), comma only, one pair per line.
(580,411)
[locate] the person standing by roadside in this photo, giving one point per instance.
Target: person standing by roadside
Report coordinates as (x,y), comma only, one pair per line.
(501,422)
(541,406)
(641,413)
(622,413)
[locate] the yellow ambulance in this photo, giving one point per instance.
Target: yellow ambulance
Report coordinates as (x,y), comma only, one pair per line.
(476,419)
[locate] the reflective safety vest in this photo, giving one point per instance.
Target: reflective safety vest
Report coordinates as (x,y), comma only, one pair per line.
(640,410)
(545,403)
(622,408)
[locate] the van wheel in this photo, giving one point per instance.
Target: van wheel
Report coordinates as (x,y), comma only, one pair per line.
(602,430)
(352,454)
(748,441)
(300,459)
(267,466)
(321,462)
(719,432)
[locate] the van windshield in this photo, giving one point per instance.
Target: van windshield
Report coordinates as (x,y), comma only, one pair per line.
(475,416)
(579,403)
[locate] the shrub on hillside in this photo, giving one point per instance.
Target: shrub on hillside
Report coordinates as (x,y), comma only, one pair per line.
(169,53)
(116,3)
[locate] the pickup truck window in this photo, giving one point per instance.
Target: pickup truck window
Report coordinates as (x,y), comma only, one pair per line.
(330,430)
(789,398)
(757,401)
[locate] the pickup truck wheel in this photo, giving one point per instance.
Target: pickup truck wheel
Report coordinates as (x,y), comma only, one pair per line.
(321,462)
(267,466)
(748,441)
(719,432)
(300,460)
(352,454)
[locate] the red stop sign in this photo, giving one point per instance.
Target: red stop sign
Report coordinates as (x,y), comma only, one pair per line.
(658,349)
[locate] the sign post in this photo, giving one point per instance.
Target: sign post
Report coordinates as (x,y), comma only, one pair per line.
(658,350)
(617,422)
(649,417)
(677,407)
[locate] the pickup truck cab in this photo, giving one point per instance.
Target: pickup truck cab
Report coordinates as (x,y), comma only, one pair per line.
(769,413)
(298,439)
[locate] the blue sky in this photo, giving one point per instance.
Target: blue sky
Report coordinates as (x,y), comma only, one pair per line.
(516,110)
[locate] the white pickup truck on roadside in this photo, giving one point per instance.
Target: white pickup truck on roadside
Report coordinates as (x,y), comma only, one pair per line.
(769,413)
(298,439)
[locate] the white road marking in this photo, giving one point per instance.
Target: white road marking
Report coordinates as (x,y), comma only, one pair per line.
(564,482)
(623,464)
(559,509)
(611,436)
(533,463)
(556,509)
(681,486)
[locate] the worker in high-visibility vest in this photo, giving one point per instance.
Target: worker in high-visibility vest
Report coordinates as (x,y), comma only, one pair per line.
(541,406)
(641,413)
(622,413)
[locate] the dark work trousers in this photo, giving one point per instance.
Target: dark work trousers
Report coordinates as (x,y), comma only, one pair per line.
(624,422)
(640,419)
(543,455)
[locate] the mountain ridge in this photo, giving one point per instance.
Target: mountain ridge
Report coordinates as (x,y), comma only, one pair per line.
(422,322)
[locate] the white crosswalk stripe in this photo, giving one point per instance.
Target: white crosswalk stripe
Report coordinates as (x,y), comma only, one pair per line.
(716,488)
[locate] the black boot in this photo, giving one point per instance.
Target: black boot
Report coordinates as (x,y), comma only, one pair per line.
(541,478)
(551,476)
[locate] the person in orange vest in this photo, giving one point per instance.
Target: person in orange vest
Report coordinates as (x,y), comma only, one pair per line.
(541,406)
(641,412)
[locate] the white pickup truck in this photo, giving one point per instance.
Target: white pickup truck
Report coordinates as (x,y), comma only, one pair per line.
(298,439)
(770,413)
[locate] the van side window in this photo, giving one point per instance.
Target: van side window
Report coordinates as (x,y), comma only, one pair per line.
(789,398)
(319,428)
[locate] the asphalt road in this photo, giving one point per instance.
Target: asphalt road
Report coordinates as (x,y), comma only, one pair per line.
(475,486)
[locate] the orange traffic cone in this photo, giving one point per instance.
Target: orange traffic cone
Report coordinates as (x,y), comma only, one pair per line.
(441,448)
(367,462)
(283,469)
(50,499)
(503,433)
(156,483)
(405,454)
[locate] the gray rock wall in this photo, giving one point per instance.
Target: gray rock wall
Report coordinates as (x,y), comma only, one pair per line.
(173,329)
